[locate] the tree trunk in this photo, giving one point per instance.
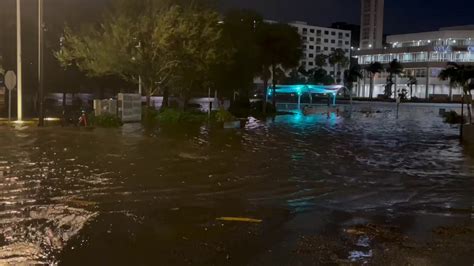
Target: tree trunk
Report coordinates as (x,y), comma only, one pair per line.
(350,98)
(450,92)
(371,89)
(469,106)
(265,94)
(148,99)
(166,95)
(274,85)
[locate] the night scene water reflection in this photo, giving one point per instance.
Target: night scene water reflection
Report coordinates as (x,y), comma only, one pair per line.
(327,189)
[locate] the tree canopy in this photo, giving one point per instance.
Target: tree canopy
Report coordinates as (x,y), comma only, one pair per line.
(280,45)
(239,37)
(461,76)
(152,39)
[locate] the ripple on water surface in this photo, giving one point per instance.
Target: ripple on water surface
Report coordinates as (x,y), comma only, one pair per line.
(56,181)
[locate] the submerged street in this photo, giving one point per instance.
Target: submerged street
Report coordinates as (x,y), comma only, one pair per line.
(366,188)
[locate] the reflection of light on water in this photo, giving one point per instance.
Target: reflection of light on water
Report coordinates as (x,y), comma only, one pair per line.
(31,237)
(301,204)
(299,119)
(359,255)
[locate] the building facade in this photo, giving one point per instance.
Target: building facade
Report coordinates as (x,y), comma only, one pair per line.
(423,55)
(354,29)
(372,19)
(322,40)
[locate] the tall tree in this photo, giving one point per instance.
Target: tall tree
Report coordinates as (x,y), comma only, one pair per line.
(337,59)
(196,49)
(321,77)
(239,35)
(140,39)
(280,45)
(373,69)
(412,81)
(394,69)
(321,60)
(461,76)
(351,76)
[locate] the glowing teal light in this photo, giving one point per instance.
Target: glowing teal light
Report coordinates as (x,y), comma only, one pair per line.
(300,89)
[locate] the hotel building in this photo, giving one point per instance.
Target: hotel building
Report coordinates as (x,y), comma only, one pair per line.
(322,40)
(423,55)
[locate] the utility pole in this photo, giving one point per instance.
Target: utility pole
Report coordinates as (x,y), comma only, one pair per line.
(40,63)
(18,62)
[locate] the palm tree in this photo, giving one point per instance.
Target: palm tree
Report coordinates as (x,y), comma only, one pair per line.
(338,58)
(373,69)
(352,75)
(394,69)
(462,76)
(412,81)
(321,60)
(279,46)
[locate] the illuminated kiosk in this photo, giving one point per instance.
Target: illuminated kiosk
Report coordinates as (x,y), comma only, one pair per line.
(300,90)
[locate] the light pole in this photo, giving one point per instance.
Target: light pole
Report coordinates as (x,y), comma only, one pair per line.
(18,62)
(40,63)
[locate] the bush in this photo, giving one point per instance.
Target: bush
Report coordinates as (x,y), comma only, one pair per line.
(173,116)
(452,117)
(241,108)
(149,115)
(257,108)
(223,116)
(107,121)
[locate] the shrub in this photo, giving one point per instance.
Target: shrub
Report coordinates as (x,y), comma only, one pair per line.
(107,121)
(257,108)
(452,117)
(173,116)
(149,115)
(223,116)
(241,108)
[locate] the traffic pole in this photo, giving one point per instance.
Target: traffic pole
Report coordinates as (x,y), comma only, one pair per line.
(19,64)
(40,63)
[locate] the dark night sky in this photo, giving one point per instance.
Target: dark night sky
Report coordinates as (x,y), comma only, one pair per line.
(400,15)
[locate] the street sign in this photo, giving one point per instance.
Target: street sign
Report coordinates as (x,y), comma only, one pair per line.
(10,80)
(10,83)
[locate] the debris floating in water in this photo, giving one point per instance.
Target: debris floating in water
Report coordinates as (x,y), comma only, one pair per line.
(239,219)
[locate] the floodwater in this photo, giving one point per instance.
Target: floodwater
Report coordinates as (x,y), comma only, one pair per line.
(328,190)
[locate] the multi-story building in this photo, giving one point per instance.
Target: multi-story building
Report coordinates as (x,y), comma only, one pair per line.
(322,40)
(372,18)
(353,28)
(423,55)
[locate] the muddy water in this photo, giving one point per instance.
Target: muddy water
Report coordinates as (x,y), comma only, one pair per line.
(327,189)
